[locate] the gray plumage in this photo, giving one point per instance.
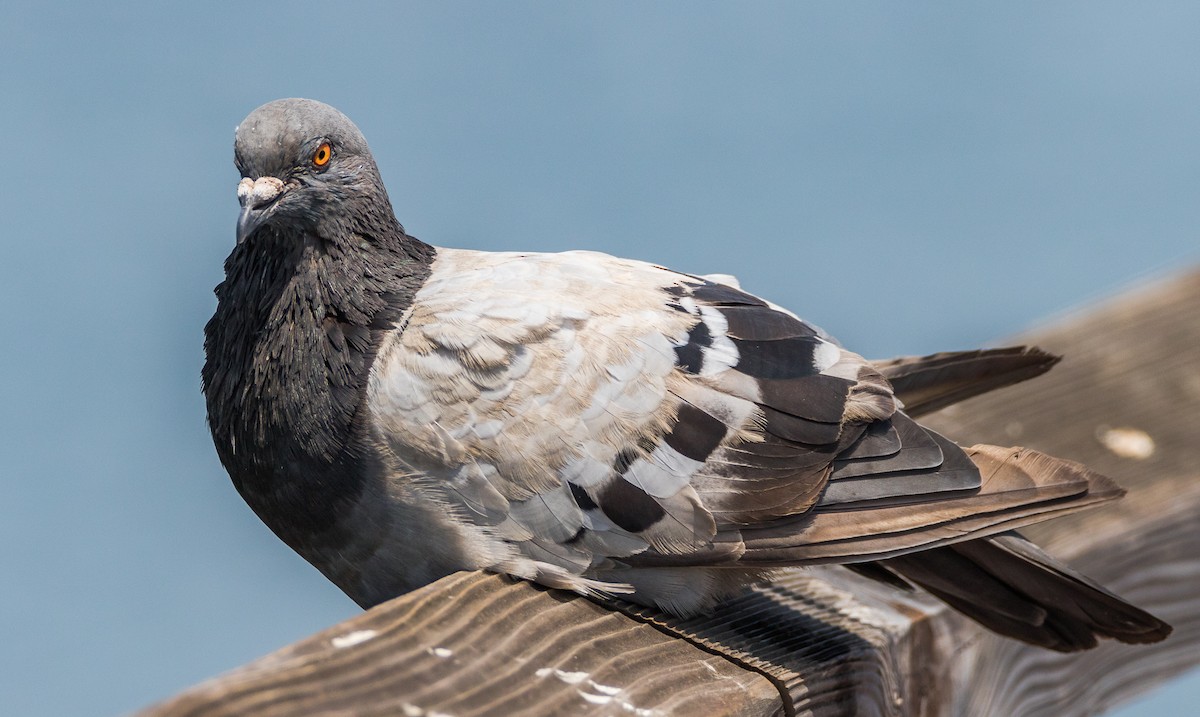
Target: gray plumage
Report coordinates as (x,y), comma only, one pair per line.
(396,412)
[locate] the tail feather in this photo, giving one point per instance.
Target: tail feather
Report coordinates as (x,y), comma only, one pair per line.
(1012,587)
(898,512)
(928,383)
(997,578)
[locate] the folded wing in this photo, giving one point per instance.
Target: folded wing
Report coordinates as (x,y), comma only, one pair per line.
(615,424)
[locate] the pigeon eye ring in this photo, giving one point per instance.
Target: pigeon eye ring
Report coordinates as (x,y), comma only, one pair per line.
(323,154)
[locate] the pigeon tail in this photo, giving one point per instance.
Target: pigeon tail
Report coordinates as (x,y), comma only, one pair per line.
(1012,587)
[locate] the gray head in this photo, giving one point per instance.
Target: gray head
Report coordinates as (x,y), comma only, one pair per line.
(304,166)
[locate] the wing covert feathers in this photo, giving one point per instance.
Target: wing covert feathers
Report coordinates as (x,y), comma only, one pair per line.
(610,426)
(1018,487)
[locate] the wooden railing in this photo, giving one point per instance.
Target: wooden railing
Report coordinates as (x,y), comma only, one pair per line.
(1126,401)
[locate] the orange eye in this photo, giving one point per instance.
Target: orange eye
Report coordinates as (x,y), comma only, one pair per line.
(322,155)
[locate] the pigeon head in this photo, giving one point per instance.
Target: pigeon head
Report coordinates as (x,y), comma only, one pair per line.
(305,167)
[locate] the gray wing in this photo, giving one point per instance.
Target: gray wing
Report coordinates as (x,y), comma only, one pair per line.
(612,421)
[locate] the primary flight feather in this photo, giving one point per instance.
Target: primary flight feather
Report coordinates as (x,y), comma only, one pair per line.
(396,412)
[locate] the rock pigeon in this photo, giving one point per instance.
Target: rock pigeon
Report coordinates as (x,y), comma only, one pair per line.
(396,411)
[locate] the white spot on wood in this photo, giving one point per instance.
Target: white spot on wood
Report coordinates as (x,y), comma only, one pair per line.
(1127,442)
(595,693)
(353,638)
(603,689)
(595,699)
(412,710)
(604,699)
(571,678)
(442,652)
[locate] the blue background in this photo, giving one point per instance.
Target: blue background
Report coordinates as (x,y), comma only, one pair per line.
(912,176)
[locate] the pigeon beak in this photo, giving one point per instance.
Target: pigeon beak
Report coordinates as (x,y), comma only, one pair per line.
(258,198)
(249,220)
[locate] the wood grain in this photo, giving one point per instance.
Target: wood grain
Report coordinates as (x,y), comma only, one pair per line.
(822,641)
(1133,365)
(479,644)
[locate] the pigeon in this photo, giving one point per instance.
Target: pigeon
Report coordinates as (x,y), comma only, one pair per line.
(396,412)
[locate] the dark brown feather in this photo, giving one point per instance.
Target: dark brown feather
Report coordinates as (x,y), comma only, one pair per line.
(777,358)
(928,383)
(918,451)
(800,430)
(761,323)
(767,479)
(914,482)
(1014,588)
(879,440)
(1019,487)
(817,398)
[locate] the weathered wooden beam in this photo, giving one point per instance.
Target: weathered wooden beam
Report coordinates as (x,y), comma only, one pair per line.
(1126,401)
(475,644)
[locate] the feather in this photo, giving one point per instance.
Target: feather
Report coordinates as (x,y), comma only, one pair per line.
(878,440)
(786,358)
(928,383)
(761,323)
(1019,487)
(696,434)
(817,397)
(629,505)
(1013,587)
(793,428)
(953,473)
(918,450)
(553,516)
